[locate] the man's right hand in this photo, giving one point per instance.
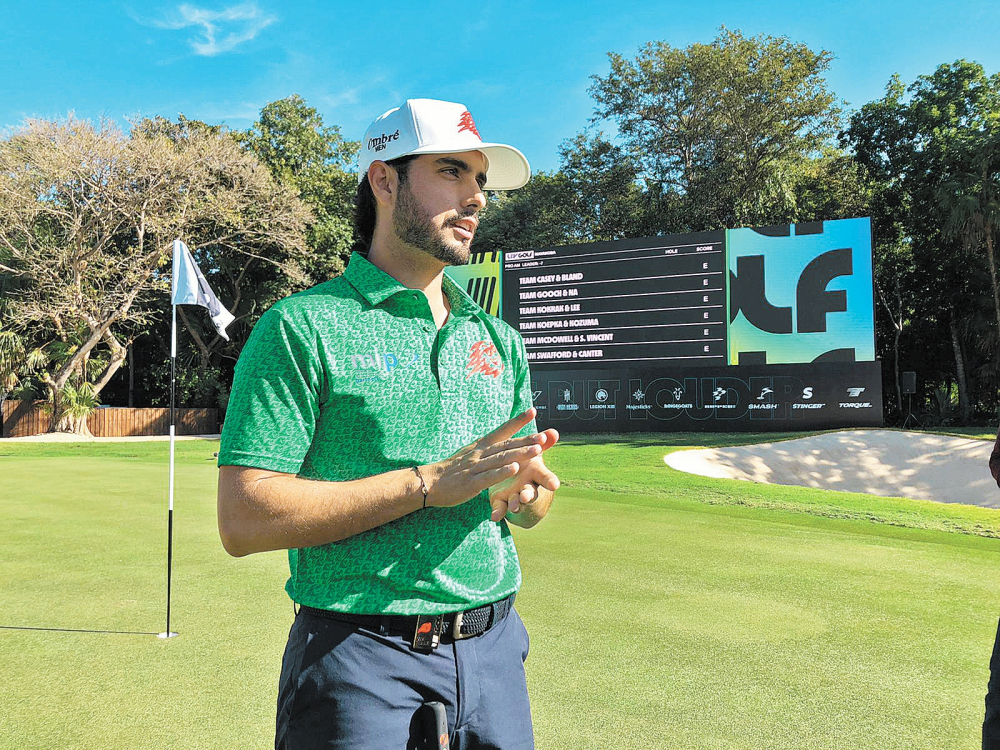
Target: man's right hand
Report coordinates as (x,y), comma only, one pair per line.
(486,462)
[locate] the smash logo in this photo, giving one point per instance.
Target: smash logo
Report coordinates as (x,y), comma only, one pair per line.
(484,359)
(465,123)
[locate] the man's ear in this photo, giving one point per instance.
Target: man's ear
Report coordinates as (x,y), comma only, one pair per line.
(384,182)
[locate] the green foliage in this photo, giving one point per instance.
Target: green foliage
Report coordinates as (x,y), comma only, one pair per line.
(732,133)
(87,218)
(722,123)
(538,215)
(78,400)
(302,152)
(931,157)
(195,386)
(12,360)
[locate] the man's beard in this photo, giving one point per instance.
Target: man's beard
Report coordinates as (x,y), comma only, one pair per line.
(415,227)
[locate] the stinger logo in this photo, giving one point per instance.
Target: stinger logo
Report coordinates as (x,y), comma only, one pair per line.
(484,359)
(465,123)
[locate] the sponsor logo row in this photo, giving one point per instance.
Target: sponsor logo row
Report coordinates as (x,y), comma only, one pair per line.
(700,398)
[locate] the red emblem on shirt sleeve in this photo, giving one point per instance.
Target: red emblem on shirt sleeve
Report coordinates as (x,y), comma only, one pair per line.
(485,359)
(465,123)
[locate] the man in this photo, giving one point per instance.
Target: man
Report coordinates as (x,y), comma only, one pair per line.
(991,721)
(380,429)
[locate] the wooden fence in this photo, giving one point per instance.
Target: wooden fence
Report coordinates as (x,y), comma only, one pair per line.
(22,418)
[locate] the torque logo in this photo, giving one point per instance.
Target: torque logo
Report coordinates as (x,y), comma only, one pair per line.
(484,359)
(465,123)
(379,144)
(855,392)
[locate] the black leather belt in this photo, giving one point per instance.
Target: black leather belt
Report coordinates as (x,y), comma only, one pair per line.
(427,630)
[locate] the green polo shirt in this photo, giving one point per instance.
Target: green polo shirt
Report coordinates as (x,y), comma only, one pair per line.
(351,379)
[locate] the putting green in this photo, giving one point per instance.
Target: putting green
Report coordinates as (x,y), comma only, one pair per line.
(665,610)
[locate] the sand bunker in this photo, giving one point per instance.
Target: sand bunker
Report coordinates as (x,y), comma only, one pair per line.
(879,462)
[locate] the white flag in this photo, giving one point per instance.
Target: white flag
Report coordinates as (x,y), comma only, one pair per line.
(189,287)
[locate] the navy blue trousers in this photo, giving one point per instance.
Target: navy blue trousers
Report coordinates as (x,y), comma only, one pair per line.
(343,686)
(991,723)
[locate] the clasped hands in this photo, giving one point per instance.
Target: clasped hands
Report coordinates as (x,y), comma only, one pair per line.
(511,468)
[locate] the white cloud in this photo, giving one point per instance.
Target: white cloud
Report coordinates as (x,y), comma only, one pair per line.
(220,30)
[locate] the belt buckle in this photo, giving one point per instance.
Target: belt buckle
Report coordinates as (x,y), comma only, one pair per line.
(456,627)
(427,634)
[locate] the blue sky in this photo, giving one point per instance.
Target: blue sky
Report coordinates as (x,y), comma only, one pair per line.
(522,68)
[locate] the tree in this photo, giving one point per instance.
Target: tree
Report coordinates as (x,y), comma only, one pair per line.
(930,150)
(87,218)
(537,215)
(249,272)
(721,123)
(315,160)
(609,201)
(970,201)
(594,196)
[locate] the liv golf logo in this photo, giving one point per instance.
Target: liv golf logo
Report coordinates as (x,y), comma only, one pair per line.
(801,293)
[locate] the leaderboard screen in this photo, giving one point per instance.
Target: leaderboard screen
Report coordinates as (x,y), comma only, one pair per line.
(763,328)
(633,301)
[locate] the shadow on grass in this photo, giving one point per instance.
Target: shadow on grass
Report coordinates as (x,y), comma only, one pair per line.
(75,630)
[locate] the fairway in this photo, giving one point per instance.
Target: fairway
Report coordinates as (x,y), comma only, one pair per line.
(665,610)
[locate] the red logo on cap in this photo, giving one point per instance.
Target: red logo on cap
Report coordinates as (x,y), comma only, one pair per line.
(465,123)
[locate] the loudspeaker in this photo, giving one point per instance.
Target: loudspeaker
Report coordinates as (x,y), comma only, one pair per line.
(908,382)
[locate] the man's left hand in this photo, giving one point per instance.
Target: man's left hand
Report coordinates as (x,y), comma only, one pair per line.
(527,495)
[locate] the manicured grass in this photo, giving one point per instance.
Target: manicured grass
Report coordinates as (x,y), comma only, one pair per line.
(666,611)
(633,469)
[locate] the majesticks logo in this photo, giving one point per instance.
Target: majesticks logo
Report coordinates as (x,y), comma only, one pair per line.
(380,143)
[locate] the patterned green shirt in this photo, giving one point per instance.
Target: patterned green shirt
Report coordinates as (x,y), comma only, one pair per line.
(351,379)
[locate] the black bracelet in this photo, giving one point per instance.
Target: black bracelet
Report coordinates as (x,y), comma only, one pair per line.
(423,485)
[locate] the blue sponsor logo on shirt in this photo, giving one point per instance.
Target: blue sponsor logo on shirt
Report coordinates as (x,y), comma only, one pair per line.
(384,363)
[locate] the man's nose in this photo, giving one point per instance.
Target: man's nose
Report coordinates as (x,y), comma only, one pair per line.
(477,198)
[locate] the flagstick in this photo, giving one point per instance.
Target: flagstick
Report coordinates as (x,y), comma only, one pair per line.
(170,490)
(187,287)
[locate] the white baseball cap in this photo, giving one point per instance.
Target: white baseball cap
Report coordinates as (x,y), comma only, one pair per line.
(429,126)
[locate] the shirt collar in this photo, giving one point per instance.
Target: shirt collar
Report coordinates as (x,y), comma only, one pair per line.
(370,281)
(376,286)
(461,303)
